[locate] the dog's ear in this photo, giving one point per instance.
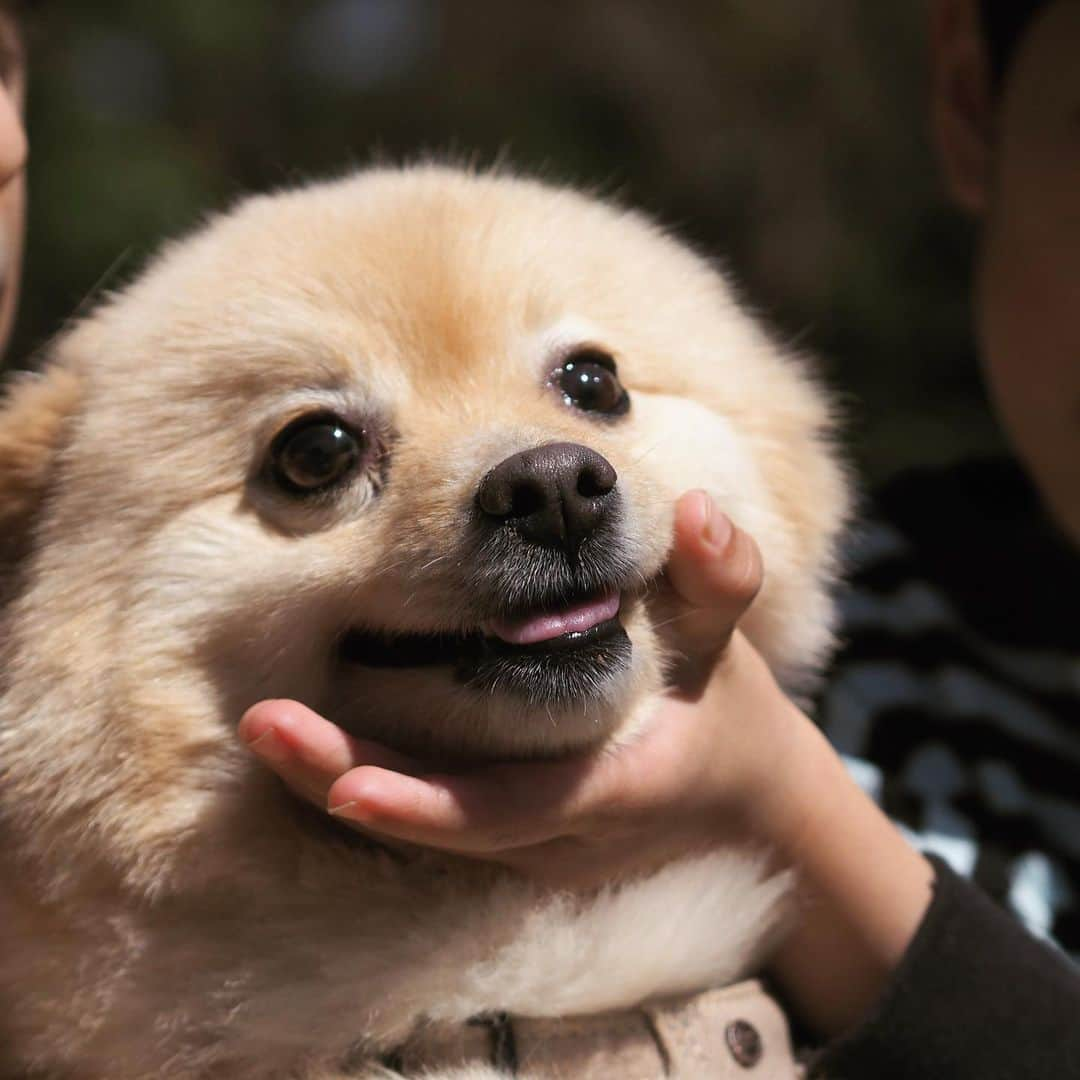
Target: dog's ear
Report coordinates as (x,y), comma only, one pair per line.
(34,413)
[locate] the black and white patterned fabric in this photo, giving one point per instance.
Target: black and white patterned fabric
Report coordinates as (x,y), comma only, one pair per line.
(955,699)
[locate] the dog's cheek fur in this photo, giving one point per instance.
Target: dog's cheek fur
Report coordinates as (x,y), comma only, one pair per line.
(34,414)
(750,426)
(791,620)
(118,727)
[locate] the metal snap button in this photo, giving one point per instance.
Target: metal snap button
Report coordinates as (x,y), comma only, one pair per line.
(744,1042)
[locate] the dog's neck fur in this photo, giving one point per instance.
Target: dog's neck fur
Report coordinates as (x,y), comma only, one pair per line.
(381,945)
(385,939)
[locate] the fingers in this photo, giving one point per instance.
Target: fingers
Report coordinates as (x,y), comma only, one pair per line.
(715,569)
(486,812)
(307,751)
(715,572)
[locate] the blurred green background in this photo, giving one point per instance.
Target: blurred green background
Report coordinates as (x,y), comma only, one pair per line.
(787,137)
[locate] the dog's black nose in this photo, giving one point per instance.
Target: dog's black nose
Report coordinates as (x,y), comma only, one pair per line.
(554,495)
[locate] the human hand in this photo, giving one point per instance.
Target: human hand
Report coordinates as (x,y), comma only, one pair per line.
(707,767)
(727,758)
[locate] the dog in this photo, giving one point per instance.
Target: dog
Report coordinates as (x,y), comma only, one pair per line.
(404,446)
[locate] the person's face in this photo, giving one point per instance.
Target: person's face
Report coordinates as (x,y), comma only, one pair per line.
(12,177)
(1015,162)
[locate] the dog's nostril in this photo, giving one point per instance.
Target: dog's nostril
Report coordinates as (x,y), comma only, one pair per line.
(526,499)
(596,478)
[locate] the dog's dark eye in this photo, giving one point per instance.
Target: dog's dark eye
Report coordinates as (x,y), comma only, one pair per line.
(587,381)
(314,453)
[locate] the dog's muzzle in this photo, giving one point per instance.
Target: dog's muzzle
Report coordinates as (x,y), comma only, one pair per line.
(547,574)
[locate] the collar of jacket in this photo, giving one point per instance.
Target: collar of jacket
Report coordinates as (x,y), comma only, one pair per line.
(738,1032)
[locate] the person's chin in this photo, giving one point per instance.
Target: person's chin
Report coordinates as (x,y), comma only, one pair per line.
(9,286)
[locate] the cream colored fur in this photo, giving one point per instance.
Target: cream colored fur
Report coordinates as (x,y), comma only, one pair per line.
(166,909)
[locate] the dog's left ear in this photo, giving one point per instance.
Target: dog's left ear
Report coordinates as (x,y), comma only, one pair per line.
(34,413)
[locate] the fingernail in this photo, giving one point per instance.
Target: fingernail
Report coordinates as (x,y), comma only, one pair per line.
(269,747)
(345,809)
(718,527)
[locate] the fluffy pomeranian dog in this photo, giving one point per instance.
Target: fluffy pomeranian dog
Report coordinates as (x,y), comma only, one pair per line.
(404,446)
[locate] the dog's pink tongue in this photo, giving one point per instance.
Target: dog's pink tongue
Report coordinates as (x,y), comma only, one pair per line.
(529,629)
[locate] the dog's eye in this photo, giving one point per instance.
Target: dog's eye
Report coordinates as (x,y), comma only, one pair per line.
(587,381)
(315,452)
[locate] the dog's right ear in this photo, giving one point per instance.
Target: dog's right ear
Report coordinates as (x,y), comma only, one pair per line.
(34,413)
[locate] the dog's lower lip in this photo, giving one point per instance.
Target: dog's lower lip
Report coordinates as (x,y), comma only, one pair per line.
(381,650)
(574,666)
(551,632)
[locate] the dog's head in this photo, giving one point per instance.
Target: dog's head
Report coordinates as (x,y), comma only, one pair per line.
(406,447)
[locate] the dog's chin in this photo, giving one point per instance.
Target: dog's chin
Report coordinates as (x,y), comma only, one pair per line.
(551,659)
(541,683)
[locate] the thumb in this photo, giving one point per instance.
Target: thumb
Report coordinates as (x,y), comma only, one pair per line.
(715,571)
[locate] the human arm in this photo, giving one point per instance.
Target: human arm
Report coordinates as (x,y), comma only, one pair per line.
(974,997)
(864,955)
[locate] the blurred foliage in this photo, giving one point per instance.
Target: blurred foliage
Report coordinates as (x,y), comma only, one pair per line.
(787,137)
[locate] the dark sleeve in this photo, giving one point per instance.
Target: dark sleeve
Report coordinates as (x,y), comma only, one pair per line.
(975,997)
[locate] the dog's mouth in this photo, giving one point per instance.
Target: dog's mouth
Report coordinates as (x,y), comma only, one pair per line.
(563,650)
